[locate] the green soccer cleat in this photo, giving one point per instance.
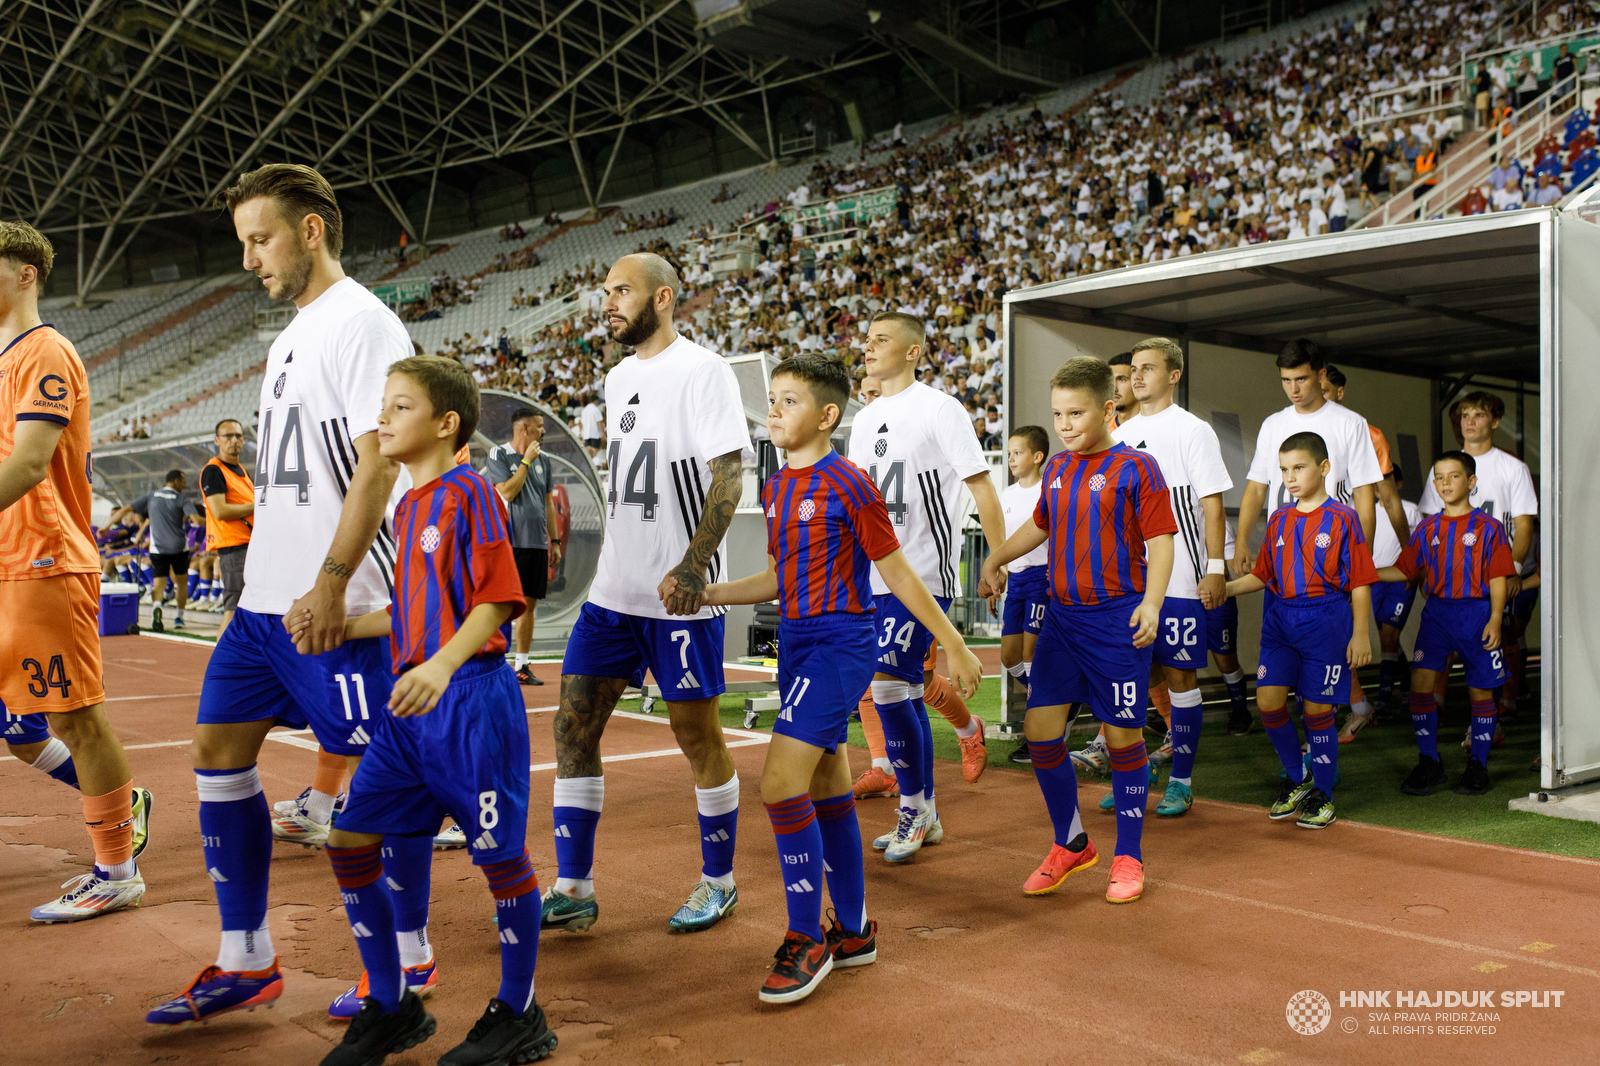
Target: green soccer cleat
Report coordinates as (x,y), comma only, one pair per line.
(1317,811)
(561,911)
(1290,796)
(142,802)
(1177,801)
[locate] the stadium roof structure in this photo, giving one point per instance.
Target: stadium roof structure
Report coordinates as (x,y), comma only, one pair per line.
(119,113)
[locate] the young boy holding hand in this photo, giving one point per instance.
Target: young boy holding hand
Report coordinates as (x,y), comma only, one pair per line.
(1316,564)
(457,744)
(1462,556)
(826,526)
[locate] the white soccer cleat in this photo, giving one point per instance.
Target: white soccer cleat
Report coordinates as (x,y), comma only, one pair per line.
(296,828)
(908,836)
(450,838)
(1092,758)
(89,896)
(935,832)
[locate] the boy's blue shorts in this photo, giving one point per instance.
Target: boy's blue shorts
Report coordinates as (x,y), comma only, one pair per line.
(466,759)
(903,641)
(1304,644)
(1522,605)
(1222,628)
(1181,640)
(1391,602)
(1457,626)
(254,673)
(23,728)
(825,663)
(1027,595)
(684,655)
(1085,654)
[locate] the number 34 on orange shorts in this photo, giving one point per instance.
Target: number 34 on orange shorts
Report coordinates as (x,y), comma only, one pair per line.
(50,643)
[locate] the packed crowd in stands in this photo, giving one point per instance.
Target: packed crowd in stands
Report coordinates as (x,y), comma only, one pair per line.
(444,292)
(654,220)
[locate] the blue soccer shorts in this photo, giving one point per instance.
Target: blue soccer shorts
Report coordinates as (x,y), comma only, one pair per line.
(903,642)
(1391,602)
(1304,644)
(23,728)
(825,663)
(255,673)
(1222,628)
(1522,605)
(1457,626)
(1085,654)
(466,759)
(684,655)
(1027,595)
(1181,640)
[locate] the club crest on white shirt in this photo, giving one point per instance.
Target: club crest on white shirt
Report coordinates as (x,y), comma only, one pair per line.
(430,539)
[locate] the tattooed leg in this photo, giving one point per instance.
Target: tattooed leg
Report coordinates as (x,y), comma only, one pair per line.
(586,706)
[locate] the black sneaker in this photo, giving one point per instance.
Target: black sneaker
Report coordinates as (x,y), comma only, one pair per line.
(1474,779)
(503,1037)
(1240,720)
(155,620)
(525,675)
(1020,755)
(1426,779)
(373,1035)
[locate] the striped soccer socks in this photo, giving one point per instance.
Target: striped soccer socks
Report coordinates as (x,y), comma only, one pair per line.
(1052,769)
(1285,741)
(1186,714)
(719,829)
(516,904)
(367,904)
(1425,723)
(577,812)
(1130,781)
(902,736)
(841,859)
(236,839)
(794,822)
(1484,718)
(1323,737)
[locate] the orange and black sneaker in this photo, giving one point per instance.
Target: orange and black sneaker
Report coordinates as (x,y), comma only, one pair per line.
(801,964)
(851,948)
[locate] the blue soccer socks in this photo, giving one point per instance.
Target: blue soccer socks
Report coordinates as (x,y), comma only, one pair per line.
(516,903)
(1059,783)
(719,829)
(1186,714)
(236,839)
(1235,684)
(577,812)
(926,726)
(902,737)
(1485,715)
(1130,783)
(841,859)
(56,761)
(408,875)
(1425,723)
(794,822)
(1323,736)
(1285,741)
(371,913)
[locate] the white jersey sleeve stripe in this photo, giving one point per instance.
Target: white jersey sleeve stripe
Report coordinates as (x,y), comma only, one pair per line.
(1183,507)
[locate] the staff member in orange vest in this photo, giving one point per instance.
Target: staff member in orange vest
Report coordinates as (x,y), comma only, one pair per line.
(1425,173)
(230,502)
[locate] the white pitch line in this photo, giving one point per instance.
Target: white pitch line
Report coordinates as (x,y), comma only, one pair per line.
(653,754)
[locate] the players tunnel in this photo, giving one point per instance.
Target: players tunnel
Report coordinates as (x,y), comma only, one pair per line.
(1415,316)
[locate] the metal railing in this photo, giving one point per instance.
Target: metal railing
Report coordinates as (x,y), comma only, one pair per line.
(1439,95)
(569,304)
(205,376)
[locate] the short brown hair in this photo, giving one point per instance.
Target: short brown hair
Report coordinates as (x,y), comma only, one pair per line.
(910,323)
(1166,346)
(298,191)
(1034,437)
(449,388)
(826,378)
(1087,373)
(23,244)
(1487,402)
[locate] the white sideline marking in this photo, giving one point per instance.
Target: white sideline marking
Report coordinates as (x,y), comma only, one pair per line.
(655,754)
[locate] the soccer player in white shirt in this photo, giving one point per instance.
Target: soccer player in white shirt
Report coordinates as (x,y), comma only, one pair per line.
(1027,586)
(678,437)
(319,545)
(919,448)
(1190,458)
(1504,490)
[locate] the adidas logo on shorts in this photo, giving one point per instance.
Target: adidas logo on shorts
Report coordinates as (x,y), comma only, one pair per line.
(358,737)
(689,681)
(485,841)
(888,658)
(1182,657)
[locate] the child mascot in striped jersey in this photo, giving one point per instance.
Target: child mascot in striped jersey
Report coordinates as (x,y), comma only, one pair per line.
(457,741)
(826,526)
(1318,572)
(1106,515)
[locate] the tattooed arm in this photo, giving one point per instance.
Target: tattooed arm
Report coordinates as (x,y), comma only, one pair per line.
(685,584)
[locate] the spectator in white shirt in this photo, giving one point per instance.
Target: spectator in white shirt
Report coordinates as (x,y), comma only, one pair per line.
(1333,204)
(1507,197)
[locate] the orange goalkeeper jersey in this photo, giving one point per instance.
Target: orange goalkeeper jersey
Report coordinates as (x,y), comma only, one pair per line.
(46,533)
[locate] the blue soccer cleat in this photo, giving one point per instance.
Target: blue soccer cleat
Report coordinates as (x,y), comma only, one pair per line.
(420,979)
(1177,801)
(707,905)
(217,991)
(560,911)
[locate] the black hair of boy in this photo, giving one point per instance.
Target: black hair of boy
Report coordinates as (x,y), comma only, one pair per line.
(1468,463)
(1310,443)
(449,388)
(827,379)
(1301,352)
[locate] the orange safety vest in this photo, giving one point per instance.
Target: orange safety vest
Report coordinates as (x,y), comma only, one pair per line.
(229,532)
(1425,166)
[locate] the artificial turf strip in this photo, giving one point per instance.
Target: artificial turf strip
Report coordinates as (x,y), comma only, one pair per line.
(1245,770)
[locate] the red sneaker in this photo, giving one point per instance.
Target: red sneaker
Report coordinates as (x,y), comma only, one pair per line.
(851,948)
(974,753)
(1127,880)
(801,965)
(1057,867)
(875,783)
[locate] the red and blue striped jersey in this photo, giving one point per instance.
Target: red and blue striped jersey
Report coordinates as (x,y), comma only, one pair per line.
(455,553)
(1458,555)
(1099,510)
(1315,553)
(826,524)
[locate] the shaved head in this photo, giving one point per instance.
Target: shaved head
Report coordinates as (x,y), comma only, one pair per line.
(652,270)
(636,308)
